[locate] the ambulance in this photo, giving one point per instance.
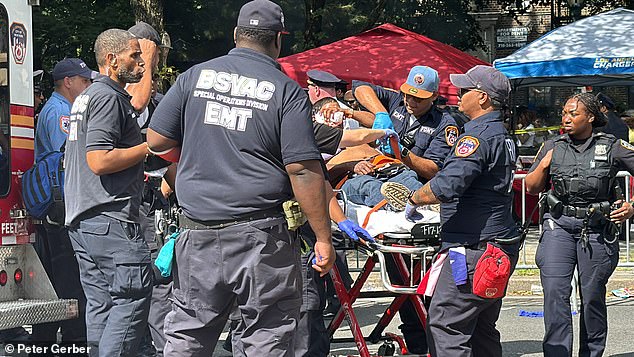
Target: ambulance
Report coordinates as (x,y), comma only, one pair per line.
(26,294)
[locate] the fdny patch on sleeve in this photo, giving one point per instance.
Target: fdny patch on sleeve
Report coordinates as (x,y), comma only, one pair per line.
(451,134)
(64,123)
(626,145)
(466,146)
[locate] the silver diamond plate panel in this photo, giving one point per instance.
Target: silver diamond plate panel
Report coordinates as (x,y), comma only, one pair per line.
(29,312)
(35,283)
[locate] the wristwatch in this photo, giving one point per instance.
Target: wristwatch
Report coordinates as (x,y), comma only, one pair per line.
(404,152)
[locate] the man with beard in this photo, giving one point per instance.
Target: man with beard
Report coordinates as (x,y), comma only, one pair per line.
(104,179)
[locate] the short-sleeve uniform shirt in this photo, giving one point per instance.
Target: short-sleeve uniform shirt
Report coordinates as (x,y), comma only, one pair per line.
(434,133)
(52,125)
(474,186)
(102,118)
(239,121)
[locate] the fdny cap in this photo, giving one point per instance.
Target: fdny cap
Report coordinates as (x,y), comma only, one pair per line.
(422,82)
(144,30)
(263,15)
(485,78)
(70,67)
(322,78)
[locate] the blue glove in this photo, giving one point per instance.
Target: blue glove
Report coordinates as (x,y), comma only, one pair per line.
(355,232)
(411,213)
(388,134)
(165,256)
(382,121)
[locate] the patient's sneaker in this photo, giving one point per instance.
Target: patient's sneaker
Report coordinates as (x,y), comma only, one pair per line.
(395,194)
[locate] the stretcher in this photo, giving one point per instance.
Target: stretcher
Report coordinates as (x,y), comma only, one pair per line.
(400,239)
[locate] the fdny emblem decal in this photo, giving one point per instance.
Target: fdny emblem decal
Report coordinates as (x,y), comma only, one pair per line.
(419,79)
(18,42)
(627,145)
(451,134)
(64,123)
(466,146)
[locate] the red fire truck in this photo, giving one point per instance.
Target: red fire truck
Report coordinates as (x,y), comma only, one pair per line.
(26,294)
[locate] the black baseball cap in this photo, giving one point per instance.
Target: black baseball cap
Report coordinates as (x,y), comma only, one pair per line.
(263,15)
(70,67)
(485,78)
(146,31)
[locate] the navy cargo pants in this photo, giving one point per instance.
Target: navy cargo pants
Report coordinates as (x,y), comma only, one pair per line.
(114,262)
(558,253)
(255,264)
(460,323)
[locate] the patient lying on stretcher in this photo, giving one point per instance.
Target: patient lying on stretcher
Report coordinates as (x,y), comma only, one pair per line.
(360,171)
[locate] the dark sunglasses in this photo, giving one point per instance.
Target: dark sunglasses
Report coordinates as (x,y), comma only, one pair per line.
(464,91)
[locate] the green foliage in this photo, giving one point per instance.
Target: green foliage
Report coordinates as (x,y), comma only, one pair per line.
(68,28)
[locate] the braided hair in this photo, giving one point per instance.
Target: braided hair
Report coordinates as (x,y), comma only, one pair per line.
(593,107)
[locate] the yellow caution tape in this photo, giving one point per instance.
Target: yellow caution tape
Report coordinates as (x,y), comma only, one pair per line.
(526,131)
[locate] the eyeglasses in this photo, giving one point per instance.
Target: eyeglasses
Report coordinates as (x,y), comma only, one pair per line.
(464,91)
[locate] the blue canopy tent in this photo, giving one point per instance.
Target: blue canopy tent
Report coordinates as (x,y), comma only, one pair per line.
(595,51)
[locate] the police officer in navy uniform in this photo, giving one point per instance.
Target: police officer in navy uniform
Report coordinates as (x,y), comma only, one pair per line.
(71,77)
(474,189)
(246,143)
(580,230)
(103,182)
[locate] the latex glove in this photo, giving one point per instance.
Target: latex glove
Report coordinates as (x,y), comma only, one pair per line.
(382,121)
(355,232)
(411,214)
(388,134)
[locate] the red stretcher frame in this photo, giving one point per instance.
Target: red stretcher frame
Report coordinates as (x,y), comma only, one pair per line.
(348,297)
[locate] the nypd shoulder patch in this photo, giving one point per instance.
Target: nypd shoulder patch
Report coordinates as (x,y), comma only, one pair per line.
(466,146)
(626,145)
(451,134)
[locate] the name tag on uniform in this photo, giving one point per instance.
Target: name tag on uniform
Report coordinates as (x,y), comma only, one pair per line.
(601,152)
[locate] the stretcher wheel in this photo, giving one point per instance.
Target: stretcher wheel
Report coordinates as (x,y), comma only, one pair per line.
(387,349)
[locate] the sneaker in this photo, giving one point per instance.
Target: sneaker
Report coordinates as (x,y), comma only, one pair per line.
(395,194)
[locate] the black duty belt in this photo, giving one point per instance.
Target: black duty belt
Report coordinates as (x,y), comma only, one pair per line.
(581,212)
(577,212)
(185,222)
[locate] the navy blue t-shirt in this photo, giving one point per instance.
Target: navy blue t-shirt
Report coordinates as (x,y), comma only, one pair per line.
(435,132)
(239,121)
(474,187)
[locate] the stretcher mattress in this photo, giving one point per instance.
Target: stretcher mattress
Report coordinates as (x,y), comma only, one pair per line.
(384,221)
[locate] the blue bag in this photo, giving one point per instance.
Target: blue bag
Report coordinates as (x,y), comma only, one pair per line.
(43,188)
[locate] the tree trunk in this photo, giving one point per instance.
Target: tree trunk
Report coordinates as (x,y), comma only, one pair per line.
(312,28)
(151,11)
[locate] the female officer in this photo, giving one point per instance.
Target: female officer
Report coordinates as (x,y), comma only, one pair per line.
(580,228)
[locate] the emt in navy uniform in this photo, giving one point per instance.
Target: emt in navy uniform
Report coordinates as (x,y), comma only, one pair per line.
(259,151)
(71,77)
(103,183)
(580,230)
(474,189)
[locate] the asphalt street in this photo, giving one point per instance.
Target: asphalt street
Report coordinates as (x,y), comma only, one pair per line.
(521,336)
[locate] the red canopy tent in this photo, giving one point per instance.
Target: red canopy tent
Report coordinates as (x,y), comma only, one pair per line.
(383,56)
